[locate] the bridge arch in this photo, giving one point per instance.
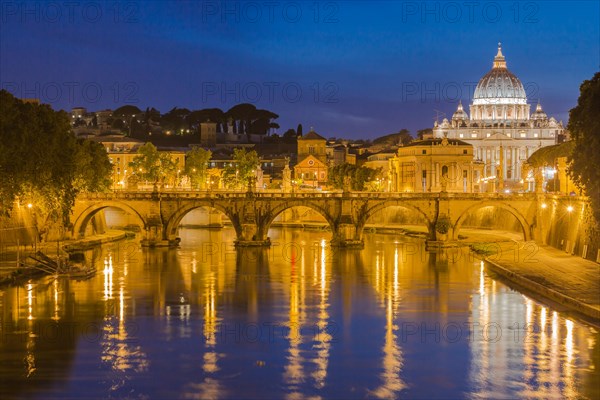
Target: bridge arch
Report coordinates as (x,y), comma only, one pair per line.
(180,213)
(362,220)
(264,227)
(525,226)
(82,220)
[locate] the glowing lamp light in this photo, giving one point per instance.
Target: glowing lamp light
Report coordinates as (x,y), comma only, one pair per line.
(29,205)
(570,208)
(507,191)
(544,205)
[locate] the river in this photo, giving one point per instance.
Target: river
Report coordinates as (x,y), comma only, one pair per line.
(300,320)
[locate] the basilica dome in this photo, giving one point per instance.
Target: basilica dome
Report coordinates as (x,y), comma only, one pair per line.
(499,86)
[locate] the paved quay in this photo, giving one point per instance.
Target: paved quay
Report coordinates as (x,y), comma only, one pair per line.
(569,280)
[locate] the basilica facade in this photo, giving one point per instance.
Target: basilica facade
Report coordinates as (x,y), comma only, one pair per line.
(500,126)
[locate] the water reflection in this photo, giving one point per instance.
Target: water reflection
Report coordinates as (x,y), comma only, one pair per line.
(295,321)
(544,350)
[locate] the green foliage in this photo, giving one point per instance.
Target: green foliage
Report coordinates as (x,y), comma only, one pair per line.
(584,126)
(547,155)
(242,170)
(196,166)
(176,120)
(347,176)
(41,162)
(126,111)
(154,166)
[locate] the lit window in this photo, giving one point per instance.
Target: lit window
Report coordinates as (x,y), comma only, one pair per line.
(523,135)
(535,135)
(460,135)
(489,134)
(509,134)
(473,135)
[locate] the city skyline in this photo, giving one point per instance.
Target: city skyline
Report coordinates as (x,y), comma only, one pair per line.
(346,69)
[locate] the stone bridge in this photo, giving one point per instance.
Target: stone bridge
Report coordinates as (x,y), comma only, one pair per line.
(251,214)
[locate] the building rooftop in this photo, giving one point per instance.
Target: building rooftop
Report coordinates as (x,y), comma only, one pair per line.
(312,135)
(438,142)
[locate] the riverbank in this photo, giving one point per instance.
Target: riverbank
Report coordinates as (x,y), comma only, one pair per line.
(569,281)
(96,240)
(10,256)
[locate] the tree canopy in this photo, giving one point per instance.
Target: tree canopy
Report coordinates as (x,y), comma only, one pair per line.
(154,166)
(196,166)
(348,176)
(240,173)
(548,155)
(584,127)
(41,161)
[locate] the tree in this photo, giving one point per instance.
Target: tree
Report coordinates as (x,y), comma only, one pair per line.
(240,173)
(154,166)
(348,176)
(196,166)
(584,127)
(41,161)
(92,167)
(290,136)
(299,130)
(128,116)
(175,120)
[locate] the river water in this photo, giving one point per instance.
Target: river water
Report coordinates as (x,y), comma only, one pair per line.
(300,320)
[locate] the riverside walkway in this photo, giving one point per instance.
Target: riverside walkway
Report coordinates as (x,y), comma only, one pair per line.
(568,280)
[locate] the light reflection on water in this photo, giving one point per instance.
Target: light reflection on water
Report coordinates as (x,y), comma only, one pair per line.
(300,320)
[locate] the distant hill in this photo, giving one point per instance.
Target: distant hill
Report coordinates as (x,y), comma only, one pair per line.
(393,139)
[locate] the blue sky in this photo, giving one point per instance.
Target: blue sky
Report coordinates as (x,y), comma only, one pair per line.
(350,69)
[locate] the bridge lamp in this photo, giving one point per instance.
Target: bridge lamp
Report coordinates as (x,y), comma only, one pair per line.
(29,205)
(544,205)
(507,191)
(570,208)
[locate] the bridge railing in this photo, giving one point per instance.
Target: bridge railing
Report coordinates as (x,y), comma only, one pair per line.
(221,194)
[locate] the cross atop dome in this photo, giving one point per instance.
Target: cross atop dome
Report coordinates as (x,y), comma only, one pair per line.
(499,60)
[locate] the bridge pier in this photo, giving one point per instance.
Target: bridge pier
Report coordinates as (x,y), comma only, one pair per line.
(250,237)
(347,236)
(155,235)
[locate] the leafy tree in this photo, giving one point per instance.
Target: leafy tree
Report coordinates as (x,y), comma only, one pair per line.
(348,176)
(196,166)
(239,174)
(290,136)
(126,111)
(208,114)
(92,167)
(175,120)
(41,161)
(154,166)
(584,127)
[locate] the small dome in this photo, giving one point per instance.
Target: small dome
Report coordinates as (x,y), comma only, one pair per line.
(499,86)
(539,114)
(460,114)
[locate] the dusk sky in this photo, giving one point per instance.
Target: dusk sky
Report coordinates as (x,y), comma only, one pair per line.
(349,69)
